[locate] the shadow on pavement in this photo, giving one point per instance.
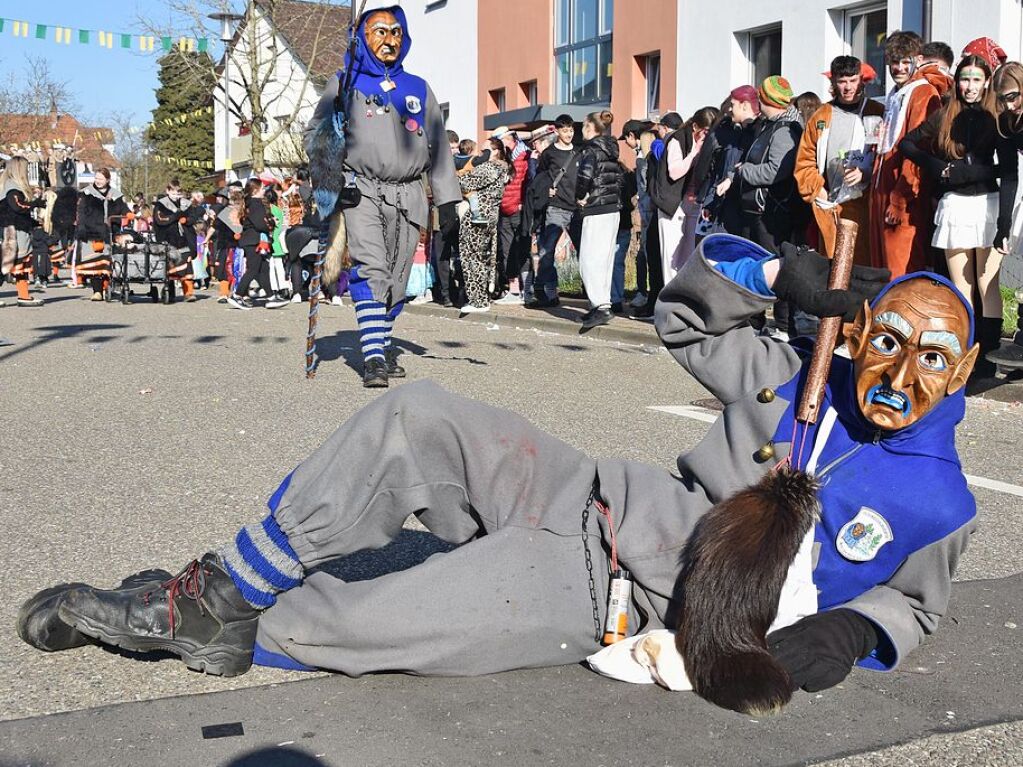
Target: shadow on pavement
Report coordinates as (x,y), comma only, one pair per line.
(966,676)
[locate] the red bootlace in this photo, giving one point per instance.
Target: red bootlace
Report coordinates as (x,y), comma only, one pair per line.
(191,582)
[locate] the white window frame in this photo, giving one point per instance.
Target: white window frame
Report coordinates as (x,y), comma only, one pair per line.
(571,46)
(848,16)
(653,89)
(751,35)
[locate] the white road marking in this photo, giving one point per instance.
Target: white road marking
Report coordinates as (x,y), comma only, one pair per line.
(709,416)
(688,411)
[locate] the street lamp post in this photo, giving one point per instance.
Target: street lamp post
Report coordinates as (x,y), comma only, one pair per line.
(227,21)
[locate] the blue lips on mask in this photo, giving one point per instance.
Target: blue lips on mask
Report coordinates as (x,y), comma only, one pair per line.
(882,394)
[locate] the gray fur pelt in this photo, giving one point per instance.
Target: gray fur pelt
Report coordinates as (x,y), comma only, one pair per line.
(336,259)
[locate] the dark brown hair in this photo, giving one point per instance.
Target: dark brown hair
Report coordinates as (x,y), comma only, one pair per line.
(951,139)
(600,121)
(1009,74)
(901,45)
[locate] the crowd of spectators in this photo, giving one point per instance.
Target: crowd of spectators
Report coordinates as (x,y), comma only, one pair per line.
(929,174)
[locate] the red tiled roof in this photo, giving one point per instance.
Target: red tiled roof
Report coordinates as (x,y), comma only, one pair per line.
(46,130)
(316,32)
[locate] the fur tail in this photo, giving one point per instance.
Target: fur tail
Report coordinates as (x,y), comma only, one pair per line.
(325,148)
(336,259)
(733,569)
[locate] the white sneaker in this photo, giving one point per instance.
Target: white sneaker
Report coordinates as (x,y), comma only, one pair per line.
(336,301)
(470,309)
(423,299)
(638,300)
(297,298)
(510,299)
(276,302)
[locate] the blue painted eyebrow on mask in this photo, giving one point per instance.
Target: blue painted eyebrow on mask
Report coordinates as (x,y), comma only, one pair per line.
(897,322)
(941,338)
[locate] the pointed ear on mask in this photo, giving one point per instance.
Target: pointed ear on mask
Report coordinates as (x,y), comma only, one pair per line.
(857,331)
(962,370)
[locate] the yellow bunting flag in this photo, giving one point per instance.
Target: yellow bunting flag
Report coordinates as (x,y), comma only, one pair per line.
(63,35)
(20,28)
(146,42)
(186,44)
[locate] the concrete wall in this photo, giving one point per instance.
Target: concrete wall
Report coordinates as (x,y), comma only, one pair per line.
(444,53)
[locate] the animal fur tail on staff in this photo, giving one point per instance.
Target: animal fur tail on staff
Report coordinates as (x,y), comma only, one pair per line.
(326,150)
(737,559)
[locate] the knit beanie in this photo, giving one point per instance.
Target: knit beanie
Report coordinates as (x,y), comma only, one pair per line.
(748,94)
(775,91)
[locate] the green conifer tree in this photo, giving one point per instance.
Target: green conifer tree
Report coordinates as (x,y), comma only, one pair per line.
(185,86)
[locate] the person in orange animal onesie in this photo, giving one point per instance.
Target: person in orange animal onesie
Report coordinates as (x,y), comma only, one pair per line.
(900,211)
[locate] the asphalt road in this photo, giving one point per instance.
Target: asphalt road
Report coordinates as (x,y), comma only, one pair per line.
(141,436)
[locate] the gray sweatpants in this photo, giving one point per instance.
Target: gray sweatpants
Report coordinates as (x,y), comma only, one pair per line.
(382,240)
(515,596)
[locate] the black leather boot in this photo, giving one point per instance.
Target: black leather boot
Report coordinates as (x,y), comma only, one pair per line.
(198,615)
(394,370)
(374,374)
(41,627)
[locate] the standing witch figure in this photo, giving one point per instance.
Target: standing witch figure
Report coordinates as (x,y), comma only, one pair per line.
(393,134)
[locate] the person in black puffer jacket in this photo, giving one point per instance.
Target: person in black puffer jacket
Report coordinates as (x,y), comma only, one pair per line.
(598,193)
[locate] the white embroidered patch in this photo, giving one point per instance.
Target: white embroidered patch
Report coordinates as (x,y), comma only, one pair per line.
(860,539)
(413,105)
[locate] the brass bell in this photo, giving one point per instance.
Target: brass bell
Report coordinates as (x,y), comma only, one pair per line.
(766,453)
(765,395)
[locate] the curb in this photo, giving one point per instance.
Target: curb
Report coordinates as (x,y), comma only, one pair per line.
(643,335)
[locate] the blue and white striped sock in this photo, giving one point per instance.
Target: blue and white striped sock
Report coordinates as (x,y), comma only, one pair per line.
(374,328)
(262,563)
(392,315)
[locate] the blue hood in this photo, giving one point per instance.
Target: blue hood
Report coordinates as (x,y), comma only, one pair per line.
(368,64)
(408,94)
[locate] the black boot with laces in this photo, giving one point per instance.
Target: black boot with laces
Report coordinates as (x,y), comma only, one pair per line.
(198,615)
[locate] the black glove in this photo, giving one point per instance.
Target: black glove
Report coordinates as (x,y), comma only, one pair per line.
(820,650)
(447,215)
(803,280)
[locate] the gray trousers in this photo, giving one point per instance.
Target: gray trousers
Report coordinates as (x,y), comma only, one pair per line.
(516,595)
(382,240)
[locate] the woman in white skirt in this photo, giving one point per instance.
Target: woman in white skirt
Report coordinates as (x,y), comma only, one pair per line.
(598,192)
(956,147)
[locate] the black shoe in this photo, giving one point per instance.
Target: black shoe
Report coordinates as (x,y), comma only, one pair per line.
(374,374)
(647,310)
(394,370)
(544,303)
(198,615)
(41,627)
(589,313)
(1009,355)
(600,316)
(617,308)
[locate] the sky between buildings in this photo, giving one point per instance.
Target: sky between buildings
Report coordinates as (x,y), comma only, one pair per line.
(103,80)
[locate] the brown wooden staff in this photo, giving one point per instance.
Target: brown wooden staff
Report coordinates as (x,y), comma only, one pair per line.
(827,333)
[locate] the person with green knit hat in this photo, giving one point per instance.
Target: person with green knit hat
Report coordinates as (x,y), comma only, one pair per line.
(775,92)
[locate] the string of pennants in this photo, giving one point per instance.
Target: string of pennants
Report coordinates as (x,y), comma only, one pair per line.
(183,163)
(186,116)
(65,35)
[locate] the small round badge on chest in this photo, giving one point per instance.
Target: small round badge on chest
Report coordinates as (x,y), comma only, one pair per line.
(411,125)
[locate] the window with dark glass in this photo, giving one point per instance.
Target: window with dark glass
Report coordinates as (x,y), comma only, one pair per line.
(582,51)
(865,30)
(764,54)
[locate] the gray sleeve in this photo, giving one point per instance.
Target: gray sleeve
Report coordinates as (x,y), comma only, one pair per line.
(443,180)
(778,164)
(908,607)
(701,317)
(324,107)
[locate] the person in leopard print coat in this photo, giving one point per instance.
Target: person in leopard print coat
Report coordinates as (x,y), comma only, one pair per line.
(476,242)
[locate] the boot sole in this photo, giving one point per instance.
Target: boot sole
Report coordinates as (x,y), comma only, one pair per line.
(215,660)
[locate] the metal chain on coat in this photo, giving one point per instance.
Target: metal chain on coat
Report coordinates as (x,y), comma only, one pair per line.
(598,634)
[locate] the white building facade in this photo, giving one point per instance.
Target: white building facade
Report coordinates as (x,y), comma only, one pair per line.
(445,51)
(743,41)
